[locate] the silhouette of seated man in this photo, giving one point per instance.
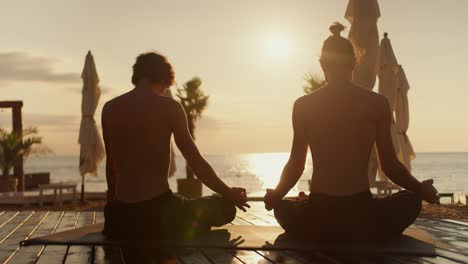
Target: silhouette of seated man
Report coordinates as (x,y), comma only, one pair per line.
(340,123)
(137,128)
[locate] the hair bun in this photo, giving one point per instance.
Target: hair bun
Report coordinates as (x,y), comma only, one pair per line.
(336,29)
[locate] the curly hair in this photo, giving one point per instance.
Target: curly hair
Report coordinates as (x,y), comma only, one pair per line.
(154,67)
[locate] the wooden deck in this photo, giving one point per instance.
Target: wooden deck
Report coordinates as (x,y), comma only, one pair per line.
(16,226)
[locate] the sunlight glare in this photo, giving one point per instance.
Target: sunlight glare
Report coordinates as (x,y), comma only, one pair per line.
(277,45)
(268,167)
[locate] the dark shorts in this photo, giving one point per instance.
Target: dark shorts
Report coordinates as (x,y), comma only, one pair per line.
(356,217)
(166,217)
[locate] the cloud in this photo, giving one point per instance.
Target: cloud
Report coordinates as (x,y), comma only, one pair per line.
(208,122)
(61,122)
(40,120)
(25,67)
(104,89)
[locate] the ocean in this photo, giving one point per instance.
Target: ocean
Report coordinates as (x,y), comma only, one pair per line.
(258,171)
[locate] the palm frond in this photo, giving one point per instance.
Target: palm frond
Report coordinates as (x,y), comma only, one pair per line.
(13,147)
(313,83)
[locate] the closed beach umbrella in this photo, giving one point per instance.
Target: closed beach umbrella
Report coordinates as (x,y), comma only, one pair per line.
(172,165)
(364,35)
(387,72)
(91,146)
(406,153)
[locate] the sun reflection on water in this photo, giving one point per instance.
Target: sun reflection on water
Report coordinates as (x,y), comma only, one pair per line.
(267,167)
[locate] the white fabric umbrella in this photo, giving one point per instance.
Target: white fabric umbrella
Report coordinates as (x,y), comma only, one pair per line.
(364,35)
(172,165)
(91,146)
(387,72)
(406,151)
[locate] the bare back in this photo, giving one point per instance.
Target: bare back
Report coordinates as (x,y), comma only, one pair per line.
(339,125)
(137,134)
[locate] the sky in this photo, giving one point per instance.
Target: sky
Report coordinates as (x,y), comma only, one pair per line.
(252,56)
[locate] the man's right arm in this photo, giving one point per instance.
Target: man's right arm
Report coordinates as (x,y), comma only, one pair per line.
(110,166)
(295,166)
(195,160)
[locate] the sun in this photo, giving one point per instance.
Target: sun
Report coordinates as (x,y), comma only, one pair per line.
(277,45)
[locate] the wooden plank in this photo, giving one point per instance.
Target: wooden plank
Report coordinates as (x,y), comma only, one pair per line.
(254,218)
(439,260)
(281,257)
(248,217)
(192,256)
(47,226)
(9,226)
(142,255)
(3,217)
(453,256)
(240,221)
(315,257)
(401,260)
(418,260)
(266,216)
(250,256)
(453,236)
(81,254)
(258,218)
(456,222)
(56,254)
(7,217)
(106,254)
(10,245)
(220,255)
(99,217)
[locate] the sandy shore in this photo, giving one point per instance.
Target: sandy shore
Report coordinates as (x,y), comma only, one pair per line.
(443,211)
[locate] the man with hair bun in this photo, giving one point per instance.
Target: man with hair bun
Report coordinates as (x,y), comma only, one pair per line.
(340,123)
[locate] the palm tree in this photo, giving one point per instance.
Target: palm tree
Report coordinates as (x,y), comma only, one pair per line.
(194,101)
(313,82)
(13,148)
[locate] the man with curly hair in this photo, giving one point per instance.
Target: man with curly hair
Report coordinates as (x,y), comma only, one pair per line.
(137,128)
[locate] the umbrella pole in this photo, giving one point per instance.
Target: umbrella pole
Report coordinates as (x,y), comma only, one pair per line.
(82,188)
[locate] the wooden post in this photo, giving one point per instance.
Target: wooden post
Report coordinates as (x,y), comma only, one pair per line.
(18,129)
(82,188)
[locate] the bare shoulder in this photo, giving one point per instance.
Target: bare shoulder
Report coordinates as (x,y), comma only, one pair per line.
(306,99)
(370,95)
(171,104)
(375,100)
(111,104)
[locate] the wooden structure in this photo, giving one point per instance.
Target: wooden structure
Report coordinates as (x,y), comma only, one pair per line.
(16,226)
(58,192)
(32,180)
(449,195)
(28,198)
(17,118)
(385,188)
